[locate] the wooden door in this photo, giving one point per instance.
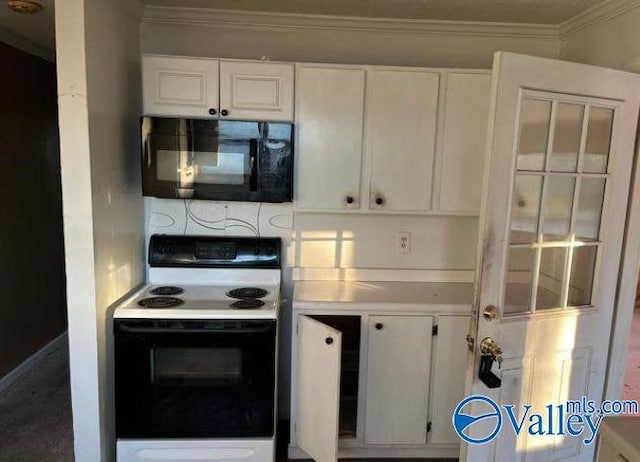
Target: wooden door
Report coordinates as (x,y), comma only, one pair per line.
(256,91)
(560,162)
(318,389)
(180,87)
(401,115)
(329,118)
(398,371)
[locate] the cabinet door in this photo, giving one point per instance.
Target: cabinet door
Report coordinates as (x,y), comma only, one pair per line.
(185,87)
(398,360)
(329,116)
(318,389)
(402,109)
(449,369)
(466,116)
(256,91)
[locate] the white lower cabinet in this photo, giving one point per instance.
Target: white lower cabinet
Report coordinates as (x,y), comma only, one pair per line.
(376,384)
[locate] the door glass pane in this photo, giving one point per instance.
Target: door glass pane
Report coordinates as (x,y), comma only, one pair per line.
(598,140)
(581,281)
(518,281)
(566,139)
(534,131)
(552,267)
(589,208)
(558,201)
(525,209)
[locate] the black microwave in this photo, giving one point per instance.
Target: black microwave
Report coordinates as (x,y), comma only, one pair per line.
(223,160)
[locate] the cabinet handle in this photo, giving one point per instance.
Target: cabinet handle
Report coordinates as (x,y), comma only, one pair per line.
(328,340)
(379,200)
(212,111)
(349,199)
(224,112)
(379,325)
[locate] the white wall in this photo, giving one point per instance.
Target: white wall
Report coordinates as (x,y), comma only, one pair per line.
(335,40)
(99,105)
(610,42)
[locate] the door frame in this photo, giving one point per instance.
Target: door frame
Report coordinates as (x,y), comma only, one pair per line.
(623,306)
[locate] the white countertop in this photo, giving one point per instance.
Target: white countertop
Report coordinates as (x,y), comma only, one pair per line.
(323,294)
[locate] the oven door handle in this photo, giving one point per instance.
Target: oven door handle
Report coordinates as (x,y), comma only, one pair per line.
(187,330)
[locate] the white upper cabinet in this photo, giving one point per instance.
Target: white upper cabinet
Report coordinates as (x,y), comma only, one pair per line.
(401,118)
(464,130)
(176,86)
(256,91)
(201,87)
(329,119)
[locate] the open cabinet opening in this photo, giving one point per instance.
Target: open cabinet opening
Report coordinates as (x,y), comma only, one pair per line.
(349,326)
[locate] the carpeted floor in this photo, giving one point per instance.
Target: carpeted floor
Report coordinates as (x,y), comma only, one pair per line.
(35,414)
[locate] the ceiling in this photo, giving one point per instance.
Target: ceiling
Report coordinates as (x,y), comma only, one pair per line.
(33,32)
(36,32)
(519,11)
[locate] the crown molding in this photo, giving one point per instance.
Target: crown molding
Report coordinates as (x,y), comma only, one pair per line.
(28,46)
(595,15)
(261,20)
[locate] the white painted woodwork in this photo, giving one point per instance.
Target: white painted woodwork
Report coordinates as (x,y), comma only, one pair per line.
(257,90)
(318,388)
(556,354)
(618,439)
(177,86)
(464,129)
(398,365)
(329,118)
(401,114)
(448,375)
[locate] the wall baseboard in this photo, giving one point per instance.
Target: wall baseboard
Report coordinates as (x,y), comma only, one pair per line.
(32,361)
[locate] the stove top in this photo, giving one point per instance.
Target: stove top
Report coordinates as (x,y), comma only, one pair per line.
(201,301)
(208,277)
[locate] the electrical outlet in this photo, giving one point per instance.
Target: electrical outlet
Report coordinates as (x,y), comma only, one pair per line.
(403,242)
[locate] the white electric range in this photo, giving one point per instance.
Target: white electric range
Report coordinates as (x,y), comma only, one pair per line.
(196,352)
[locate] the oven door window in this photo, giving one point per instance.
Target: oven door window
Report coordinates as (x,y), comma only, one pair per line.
(184,382)
(196,367)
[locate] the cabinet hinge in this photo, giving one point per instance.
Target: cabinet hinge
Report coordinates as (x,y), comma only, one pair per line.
(434,330)
(428,427)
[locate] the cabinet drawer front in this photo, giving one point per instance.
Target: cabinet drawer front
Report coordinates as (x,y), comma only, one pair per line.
(398,363)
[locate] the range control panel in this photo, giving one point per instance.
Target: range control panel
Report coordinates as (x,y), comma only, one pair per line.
(214,251)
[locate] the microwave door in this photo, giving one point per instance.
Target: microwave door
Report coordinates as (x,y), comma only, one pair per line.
(186,169)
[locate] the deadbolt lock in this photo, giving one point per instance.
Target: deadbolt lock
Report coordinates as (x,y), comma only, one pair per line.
(490,312)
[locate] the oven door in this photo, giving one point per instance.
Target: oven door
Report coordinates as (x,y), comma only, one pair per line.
(216,160)
(195,379)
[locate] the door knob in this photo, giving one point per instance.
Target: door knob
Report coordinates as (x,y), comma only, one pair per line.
(489,346)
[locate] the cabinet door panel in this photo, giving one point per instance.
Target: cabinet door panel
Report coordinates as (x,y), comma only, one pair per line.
(329,116)
(398,360)
(463,146)
(318,389)
(449,372)
(256,91)
(179,86)
(402,108)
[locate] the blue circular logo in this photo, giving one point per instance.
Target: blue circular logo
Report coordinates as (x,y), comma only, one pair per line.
(462,421)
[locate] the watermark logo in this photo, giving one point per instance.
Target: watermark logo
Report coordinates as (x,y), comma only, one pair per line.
(491,417)
(478,419)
